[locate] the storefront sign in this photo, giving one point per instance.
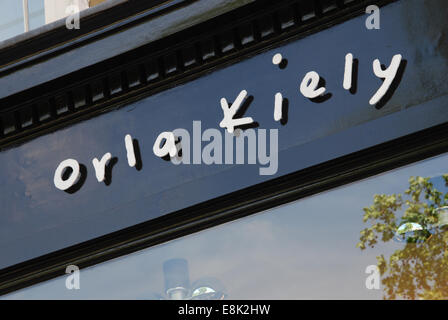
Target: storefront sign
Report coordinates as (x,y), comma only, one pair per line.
(169,145)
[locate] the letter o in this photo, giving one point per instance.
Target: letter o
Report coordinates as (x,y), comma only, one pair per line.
(74,176)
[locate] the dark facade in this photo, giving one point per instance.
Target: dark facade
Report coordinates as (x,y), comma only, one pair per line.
(166,66)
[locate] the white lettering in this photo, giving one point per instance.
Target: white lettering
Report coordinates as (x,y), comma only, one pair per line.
(348,74)
(229,112)
(100,166)
(130,152)
(74,176)
(169,145)
(388,75)
(309,85)
(278,107)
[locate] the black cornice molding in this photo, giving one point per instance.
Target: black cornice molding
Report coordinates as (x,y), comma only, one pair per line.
(166,63)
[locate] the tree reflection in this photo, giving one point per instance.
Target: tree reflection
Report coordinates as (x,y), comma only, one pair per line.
(418,270)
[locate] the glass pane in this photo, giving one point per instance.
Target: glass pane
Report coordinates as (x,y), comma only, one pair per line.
(308,249)
(59,9)
(40,12)
(36,13)
(11,19)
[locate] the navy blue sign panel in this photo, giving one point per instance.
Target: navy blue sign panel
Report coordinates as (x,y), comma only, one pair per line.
(37,218)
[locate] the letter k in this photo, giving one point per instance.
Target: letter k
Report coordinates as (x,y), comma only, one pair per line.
(229,112)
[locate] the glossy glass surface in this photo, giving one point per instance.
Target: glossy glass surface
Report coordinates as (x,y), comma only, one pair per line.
(12,15)
(303,250)
(36,12)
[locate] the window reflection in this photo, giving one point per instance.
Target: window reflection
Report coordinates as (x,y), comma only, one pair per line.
(303,250)
(21,16)
(178,287)
(417,270)
(11,19)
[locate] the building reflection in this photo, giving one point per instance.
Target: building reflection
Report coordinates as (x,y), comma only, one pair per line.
(178,287)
